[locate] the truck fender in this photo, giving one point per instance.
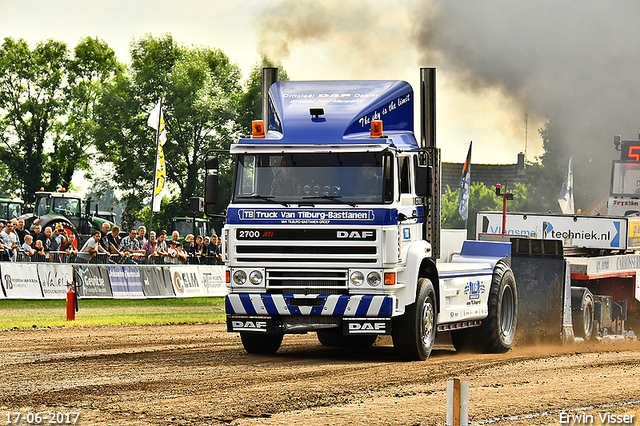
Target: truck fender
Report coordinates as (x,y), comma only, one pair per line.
(419,265)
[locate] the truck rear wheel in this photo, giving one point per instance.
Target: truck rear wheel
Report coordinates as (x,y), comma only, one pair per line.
(414,332)
(582,312)
(335,338)
(263,344)
(498,332)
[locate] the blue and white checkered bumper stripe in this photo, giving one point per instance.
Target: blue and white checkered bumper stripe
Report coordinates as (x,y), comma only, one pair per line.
(340,305)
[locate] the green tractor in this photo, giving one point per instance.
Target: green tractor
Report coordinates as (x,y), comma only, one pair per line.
(71,210)
(191,225)
(10,208)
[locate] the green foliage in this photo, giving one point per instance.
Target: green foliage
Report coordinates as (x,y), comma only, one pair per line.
(200,89)
(251,101)
(544,178)
(481,199)
(46,104)
(170,207)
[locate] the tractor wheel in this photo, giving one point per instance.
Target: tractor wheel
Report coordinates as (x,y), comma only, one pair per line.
(68,229)
(498,331)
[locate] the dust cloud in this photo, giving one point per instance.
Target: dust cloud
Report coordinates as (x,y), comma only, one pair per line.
(573,63)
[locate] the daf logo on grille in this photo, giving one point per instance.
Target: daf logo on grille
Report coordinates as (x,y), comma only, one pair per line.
(355,234)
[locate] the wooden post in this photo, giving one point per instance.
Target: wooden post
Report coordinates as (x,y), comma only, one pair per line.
(457,403)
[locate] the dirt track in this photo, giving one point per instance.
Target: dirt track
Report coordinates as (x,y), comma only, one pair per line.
(199,374)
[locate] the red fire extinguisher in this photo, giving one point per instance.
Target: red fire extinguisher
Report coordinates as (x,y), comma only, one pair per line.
(71,305)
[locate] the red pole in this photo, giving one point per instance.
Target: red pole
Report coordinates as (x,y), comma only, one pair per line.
(504,214)
(71,305)
(505,196)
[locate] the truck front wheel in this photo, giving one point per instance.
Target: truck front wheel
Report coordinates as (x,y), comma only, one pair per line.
(414,332)
(263,344)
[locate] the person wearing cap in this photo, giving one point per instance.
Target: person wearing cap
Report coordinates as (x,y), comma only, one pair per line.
(180,253)
(171,251)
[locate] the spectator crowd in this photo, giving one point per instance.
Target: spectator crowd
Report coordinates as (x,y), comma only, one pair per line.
(105,246)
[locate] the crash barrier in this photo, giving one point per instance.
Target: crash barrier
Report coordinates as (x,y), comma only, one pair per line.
(104,259)
(53,280)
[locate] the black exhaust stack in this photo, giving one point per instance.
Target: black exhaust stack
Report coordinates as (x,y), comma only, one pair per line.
(428,143)
(269,76)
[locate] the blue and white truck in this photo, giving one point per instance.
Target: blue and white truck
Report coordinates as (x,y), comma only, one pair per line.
(333,227)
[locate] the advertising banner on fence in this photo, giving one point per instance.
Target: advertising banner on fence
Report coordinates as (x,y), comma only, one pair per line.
(156,282)
(20,281)
(125,282)
(92,281)
(575,231)
(55,280)
(212,278)
(187,281)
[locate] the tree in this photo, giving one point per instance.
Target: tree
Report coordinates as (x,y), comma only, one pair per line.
(545,177)
(94,64)
(251,101)
(45,101)
(200,89)
(481,198)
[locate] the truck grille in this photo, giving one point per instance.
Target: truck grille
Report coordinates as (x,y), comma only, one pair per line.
(305,281)
(309,247)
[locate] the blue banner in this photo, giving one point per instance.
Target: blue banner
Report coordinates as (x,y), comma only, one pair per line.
(255,216)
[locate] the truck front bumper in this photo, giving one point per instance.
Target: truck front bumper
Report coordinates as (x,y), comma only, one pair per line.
(298,304)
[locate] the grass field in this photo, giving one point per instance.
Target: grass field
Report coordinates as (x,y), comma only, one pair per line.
(52,313)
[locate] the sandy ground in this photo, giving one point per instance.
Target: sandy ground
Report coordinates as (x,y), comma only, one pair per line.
(199,374)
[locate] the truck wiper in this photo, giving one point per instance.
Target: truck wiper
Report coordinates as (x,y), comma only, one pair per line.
(334,198)
(265,198)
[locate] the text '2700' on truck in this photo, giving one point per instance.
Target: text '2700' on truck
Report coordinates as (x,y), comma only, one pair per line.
(334,221)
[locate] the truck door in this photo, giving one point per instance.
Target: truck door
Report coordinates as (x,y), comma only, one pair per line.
(409,229)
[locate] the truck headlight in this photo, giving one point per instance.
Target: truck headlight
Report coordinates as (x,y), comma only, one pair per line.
(374,279)
(255,277)
(239,277)
(357,278)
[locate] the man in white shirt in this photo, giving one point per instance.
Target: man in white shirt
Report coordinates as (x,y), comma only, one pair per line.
(10,241)
(91,248)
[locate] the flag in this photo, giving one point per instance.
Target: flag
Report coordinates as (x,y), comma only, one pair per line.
(465,183)
(159,189)
(565,199)
(156,120)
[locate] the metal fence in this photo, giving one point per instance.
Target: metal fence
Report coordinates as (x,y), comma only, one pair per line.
(105,259)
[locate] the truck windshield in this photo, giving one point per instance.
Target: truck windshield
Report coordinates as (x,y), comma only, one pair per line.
(42,206)
(314,178)
(15,210)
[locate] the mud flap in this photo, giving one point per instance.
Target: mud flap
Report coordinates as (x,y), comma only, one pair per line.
(262,325)
(540,272)
(359,326)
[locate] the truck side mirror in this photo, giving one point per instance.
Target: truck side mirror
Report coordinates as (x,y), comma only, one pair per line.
(211,180)
(424,178)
